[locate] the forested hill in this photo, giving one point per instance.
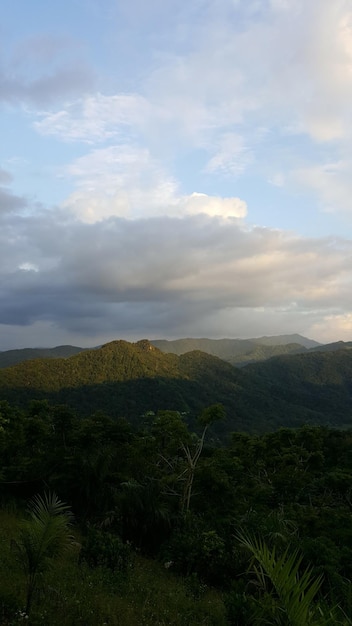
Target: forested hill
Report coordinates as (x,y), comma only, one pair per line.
(320,381)
(125,379)
(128,380)
(235,351)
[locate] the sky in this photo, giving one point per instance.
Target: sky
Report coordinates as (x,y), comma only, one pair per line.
(175,169)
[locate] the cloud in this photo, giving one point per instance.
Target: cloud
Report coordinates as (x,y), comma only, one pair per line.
(231,156)
(229,85)
(214,206)
(283,67)
(165,276)
(46,89)
(333,327)
(5,177)
(43,70)
(10,202)
(122,180)
(299,60)
(262,88)
(126,181)
(331,181)
(97,118)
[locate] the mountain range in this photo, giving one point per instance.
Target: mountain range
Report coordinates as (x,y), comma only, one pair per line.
(130,380)
(236,351)
(240,352)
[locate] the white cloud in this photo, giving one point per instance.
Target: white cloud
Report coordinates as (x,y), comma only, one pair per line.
(214,206)
(121,180)
(283,67)
(126,181)
(333,327)
(96,118)
(289,68)
(332,182)
(231,155)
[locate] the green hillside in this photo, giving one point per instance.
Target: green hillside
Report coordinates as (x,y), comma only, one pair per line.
(235,351)
(320,381)
(128,380)
(124,379)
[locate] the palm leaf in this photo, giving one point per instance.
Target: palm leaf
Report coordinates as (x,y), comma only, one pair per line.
(46,533)
(44,536)
(295,591)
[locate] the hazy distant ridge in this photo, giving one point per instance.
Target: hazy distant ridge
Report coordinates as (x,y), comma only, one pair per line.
(12,357)
(240,351)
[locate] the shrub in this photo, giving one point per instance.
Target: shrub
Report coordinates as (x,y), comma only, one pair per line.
(101,548)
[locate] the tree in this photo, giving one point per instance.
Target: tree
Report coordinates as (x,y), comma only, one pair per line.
(43,537)
(210,415)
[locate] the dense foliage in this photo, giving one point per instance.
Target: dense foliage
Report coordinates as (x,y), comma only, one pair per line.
(229,517)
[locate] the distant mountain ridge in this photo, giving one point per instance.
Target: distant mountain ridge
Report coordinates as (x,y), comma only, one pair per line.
(12,357)
(332,347)
(235,351)
(127,380)
(279,340)
(240,352)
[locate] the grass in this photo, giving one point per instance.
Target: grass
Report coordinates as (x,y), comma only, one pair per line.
(74,594)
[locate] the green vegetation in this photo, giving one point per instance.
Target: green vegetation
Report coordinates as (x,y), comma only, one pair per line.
(76,594)
(318,382)
(168,527)
(291,594)
(179,516)
(42,537)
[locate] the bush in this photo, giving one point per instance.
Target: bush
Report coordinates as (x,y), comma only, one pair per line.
(101,548)
(194,548)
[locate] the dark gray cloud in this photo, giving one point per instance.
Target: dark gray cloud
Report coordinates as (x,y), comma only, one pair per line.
(165,276)
(42,70)
(5,177)
(59,84)
(9,201)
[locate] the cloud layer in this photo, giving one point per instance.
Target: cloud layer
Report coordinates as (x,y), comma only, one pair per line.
(166,276)
(193,128)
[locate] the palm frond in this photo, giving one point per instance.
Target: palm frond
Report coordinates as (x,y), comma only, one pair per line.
(47,532)
(44,536)
(295,591)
